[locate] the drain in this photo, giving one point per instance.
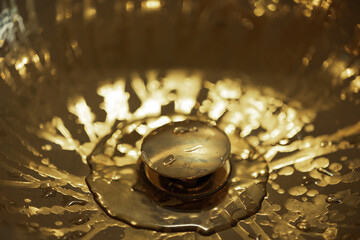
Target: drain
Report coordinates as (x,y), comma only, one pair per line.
(186,179)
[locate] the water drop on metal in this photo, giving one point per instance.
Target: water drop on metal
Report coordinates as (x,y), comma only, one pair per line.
(169,160)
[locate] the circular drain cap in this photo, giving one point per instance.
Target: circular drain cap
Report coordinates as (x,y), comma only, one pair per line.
(125,192)
(186,150)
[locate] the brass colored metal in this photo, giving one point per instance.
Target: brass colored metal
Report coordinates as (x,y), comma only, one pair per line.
(190,189)
(135,194)
(83,84)
(186,150)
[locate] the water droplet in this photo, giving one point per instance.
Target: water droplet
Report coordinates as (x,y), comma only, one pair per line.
(183,130)
(193,148)
(58,223)
(45,161)
(325,143)
(281,191)
(79,233)
(254,174)
(326,172)
(235,179)
(312,193)
(169,160)
(297,190)
(48,191)
(79,220)
(308,181)
(46,147)
(69,201)
(286,171)
(303,226)
(333,200)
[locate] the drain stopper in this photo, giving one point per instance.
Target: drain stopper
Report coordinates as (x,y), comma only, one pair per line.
(188,159)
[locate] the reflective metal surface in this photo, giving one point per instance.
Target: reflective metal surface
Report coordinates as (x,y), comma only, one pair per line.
(186,150)
(83,82)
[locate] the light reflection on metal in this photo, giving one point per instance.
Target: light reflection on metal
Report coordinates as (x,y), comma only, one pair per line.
(151,4)
(85,116)
(115,101)
(277,127)
(89,10)
(274,125)
(211,150)
(129,6)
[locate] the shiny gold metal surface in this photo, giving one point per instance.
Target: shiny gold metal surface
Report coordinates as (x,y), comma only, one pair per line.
(82,83)
(186,150)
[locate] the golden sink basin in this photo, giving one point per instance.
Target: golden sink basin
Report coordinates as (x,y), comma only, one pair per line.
(82,83)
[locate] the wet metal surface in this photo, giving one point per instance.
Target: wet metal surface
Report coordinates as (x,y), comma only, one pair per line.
(186,150)
(83,82)
(125,195)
